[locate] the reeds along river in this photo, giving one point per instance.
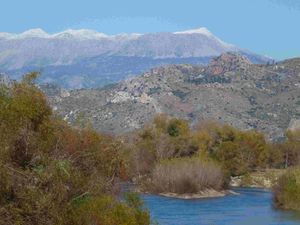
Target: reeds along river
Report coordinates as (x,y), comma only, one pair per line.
(251,207)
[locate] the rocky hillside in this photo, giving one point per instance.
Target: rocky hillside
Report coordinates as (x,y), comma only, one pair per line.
(86,58)
(230,89)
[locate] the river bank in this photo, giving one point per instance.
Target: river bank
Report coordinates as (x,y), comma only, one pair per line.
(265,179)
(259,179)
(251,206)
(208,193)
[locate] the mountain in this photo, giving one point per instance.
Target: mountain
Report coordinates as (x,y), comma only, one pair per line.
(230,89)
(87,58)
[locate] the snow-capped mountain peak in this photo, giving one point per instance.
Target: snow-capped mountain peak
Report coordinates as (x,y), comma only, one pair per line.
(33,33)
(80,34)
(201,30)
(5,35)
(204,31)
(87,34)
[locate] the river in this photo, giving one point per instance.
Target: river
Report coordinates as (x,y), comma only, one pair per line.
(250,207)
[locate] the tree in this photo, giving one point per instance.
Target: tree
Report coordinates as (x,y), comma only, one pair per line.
(51,173)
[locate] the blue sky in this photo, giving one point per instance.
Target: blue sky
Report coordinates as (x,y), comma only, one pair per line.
(269,27)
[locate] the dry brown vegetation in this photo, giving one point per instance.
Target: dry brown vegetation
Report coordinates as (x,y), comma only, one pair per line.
(189,175)
(287,190)
(160,152)
(51,173)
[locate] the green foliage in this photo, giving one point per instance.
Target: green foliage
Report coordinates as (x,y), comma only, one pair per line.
(30,78)
(287,190)
(180,94)
(177,127)
(154,90)
(246,152)
(246,180)
(165,138)
(286,153)
(237,152)
(106,210)
(134,201)
(51,173)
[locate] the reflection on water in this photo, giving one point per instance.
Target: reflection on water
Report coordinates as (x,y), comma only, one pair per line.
(252,206)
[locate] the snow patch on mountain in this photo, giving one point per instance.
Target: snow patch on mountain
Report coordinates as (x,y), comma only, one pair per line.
(201,30)
(32,33)
(87,34)
(204,31)
(81,34)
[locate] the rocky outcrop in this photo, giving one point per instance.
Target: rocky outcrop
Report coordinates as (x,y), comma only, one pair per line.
(245,95)
(294,125)
(260,179)
(227,62)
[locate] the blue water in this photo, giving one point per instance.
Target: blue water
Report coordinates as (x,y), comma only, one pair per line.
(251,207)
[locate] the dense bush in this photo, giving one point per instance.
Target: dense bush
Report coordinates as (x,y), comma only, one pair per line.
(289,149)
(51,173)
(165,138)
(187,175)
(239,152)
(106,210)
(287,190)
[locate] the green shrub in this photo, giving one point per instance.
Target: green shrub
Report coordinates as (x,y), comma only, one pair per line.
(246,180)
(238,151)
(290,148)
(177,127)
(51,173)
(287,190)
(106,210)
(180,94)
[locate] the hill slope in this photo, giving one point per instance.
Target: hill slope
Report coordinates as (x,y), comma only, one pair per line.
(230,89)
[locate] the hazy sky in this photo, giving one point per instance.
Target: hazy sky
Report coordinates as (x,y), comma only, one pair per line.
(269,27)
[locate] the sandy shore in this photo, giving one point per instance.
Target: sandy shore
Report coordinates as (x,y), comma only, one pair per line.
(209,193)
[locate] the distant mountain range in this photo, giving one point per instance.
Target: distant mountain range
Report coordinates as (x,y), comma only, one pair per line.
(87,58)
(230,89)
